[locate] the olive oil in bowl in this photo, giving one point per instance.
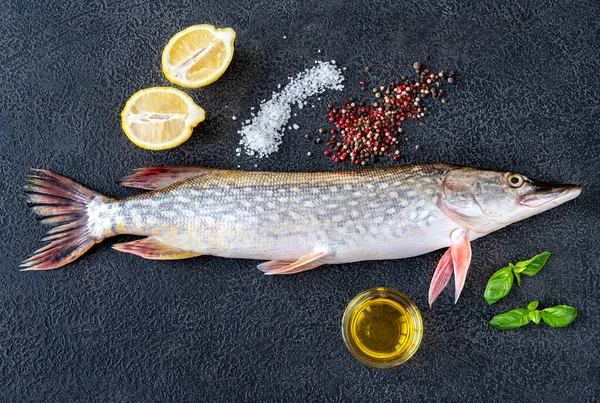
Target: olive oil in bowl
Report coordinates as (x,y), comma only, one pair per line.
(382,328)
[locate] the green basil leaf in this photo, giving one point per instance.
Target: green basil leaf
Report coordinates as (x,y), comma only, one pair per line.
(535,316)
(518,277)
(533,265)
(511,319)
(532,305)
(499,285)
(559,316)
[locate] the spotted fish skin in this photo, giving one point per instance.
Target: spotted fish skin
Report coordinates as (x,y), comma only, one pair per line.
(353,215)
(295,221)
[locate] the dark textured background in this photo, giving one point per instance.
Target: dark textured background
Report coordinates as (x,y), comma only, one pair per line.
(115,327)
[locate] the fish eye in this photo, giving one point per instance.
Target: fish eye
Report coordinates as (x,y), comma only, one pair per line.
(515,180)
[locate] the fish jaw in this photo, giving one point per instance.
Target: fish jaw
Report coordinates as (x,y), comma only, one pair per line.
(546,197)
(550,196)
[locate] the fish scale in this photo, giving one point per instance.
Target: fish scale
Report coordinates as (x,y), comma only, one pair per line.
(295,221)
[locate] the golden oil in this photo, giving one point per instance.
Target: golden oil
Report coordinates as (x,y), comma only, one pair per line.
(382,328)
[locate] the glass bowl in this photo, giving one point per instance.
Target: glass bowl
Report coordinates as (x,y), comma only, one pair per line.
(382,327)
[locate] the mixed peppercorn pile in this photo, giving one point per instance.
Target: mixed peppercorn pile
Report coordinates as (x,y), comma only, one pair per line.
(362,132)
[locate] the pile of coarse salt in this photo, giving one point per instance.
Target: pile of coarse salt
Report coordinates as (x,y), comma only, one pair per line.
(262,134)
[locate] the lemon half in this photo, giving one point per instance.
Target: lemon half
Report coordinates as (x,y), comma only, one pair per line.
(198,55)
(159,118)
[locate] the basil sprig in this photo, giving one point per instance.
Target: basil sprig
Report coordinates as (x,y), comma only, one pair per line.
(501,282)
(556,316)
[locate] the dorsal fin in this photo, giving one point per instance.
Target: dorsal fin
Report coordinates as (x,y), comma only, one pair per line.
(153,178)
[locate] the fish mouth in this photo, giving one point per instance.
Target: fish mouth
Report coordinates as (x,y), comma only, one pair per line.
(550,196)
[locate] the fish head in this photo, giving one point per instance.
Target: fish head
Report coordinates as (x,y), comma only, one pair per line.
(484,201)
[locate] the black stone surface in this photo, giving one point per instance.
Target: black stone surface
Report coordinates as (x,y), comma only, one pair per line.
(114,327)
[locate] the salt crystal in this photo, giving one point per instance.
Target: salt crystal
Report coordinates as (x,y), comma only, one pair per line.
(318,50)
(233,118)
(262,136)
(295,126)
(284,37)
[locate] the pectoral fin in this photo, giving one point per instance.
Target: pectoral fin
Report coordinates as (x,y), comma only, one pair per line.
(290,267)
(461,257)
(152,248)
(441,276)
(456,259)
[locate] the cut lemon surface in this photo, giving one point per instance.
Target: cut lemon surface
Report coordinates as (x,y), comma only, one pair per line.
(198,55)
(159,118)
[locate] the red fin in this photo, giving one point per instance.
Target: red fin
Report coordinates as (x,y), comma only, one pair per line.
(461,256)
(441,276)
(288,267)
(152,248)
(456,259)
(62,203)
(159,177)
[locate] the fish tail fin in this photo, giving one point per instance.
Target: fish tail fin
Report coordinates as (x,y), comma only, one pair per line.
(63,204)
